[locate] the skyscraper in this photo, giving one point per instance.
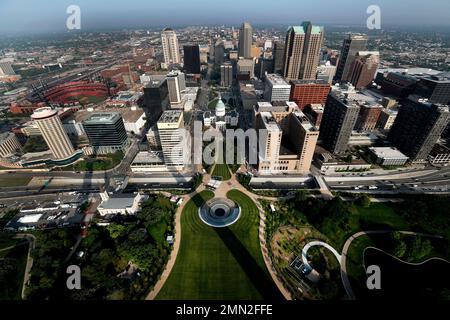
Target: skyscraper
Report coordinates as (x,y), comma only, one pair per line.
(351,46)
(156,98)
(191,59)
(276,88)
(278,57)
(176,83)
(417,127)
(287,139)
(363,69)
(219,53)
(305,92)
(170,47)
(226,74)
(106,132)
(175,142)
(339,119)
(302,51)
(52,130)
(245,40)
(435,88)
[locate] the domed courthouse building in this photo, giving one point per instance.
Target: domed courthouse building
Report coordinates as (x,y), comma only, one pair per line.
(221,118)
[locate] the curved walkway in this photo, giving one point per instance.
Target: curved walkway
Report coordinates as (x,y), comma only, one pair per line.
(318,244)
(344,276)
(176,246)
(220,192)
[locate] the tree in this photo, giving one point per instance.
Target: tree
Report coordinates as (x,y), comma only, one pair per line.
(116,230)
(399,246)
(300,195)
(364,201)
(419,248)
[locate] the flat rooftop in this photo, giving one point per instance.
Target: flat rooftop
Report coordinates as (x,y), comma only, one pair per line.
(128,114)
(304,121)
(106,117)
(387,152)
(276,80)
(269,121)
(151,157)
(170,116)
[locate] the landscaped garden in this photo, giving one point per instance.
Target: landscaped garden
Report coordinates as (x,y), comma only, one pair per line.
(219,263)
(303,219)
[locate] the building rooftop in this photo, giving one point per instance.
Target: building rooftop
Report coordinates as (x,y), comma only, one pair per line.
(387,153)
(304,121)
(43,113)
(276,80)
(309,81)
(170,116)
(269,121)
(303,28)
(128,114)
(121,201)
(151,157)
(5,135)
(102,117)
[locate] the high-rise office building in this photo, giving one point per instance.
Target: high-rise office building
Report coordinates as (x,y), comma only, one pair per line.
(245,69)
(302,51)
(219,53)
(305,92)
(287,139)
(175,143)
(106,132)
(326,73)
(156,98)
(245,40)
(417,127)
(9,144)
(338,121)
(6,68)
(369,114)
(363,69)
(52,130)
(204,50)
(170,47)
(191,59)
(351,46)
(176,83)
(276,88)
(263,66)
(435,88)
(226,74)
(278,57)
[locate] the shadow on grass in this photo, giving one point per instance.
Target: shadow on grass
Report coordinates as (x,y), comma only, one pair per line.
(258,277)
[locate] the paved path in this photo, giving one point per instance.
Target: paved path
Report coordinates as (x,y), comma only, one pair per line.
(344,276)
(175,247)
(234,184)
(318,244)
(220,192)
(26,277)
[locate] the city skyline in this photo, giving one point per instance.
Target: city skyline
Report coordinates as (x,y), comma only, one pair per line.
(103,15)
(224,162)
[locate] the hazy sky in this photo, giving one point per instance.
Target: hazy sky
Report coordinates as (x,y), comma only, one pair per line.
(36,16)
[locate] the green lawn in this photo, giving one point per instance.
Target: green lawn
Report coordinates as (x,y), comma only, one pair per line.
(221,170)
(13,182)
(219,263)
(158,230)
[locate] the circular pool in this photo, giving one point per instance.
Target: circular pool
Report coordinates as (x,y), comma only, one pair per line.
(219,212)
